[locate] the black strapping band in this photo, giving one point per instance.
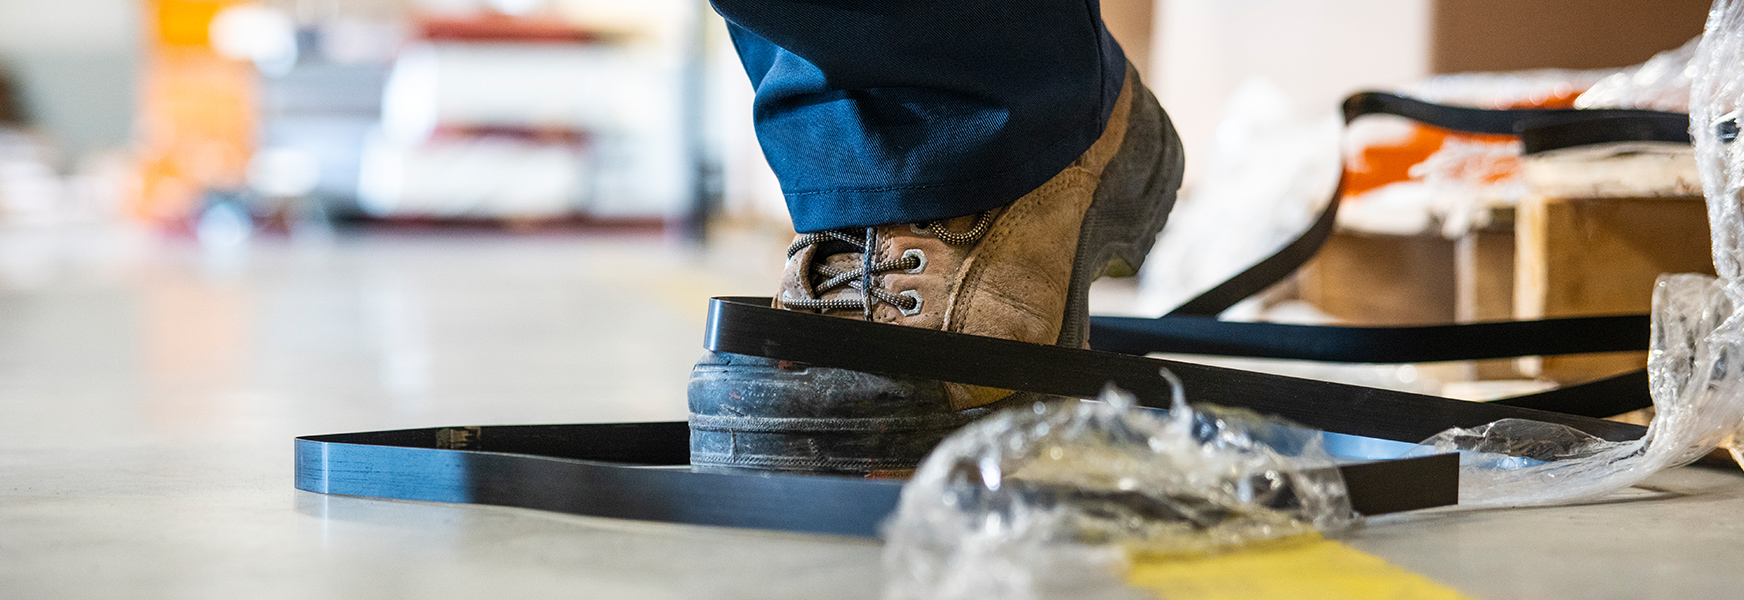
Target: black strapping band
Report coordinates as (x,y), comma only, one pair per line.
(640,470)
(750,326)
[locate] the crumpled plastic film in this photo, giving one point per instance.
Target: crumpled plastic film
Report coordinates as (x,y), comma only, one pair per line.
(1661,83)
(1468,176)
(1696,360)
(1021,502)
(1698,393)
(1716,98)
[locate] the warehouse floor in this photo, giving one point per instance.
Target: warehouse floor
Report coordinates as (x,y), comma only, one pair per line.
(150,392)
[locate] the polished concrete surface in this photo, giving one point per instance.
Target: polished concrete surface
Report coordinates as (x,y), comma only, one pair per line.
(149,393)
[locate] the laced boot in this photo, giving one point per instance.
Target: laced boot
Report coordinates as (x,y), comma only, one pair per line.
(1019,272)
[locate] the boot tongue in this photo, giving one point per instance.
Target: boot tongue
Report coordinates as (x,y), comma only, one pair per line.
(841,256)
(802,275)
(845,261)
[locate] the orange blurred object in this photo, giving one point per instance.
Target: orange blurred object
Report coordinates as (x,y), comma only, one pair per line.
(1384,164)
(197,112)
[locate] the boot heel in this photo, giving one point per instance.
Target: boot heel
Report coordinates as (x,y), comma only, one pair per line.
(1119,267)
(1131,205)
(1139,187)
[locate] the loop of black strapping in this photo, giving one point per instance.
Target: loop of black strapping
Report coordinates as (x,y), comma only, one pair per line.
(749,326)
(640,470)
(1187,330)
(1541,129)
(1431,343)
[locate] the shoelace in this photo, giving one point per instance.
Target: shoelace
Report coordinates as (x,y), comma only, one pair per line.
(860,277)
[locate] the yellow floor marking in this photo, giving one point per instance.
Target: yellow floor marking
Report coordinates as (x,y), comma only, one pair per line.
(1309,570)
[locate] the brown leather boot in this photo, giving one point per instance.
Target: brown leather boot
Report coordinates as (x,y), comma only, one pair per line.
(1019,272)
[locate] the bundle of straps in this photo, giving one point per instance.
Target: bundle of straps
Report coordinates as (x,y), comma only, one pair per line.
(640,470)
(1191,328)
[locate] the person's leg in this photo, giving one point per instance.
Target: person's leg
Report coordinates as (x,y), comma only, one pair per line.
(898,111)
(969,166)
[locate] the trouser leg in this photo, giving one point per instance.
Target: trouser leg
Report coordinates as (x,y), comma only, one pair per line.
(893,111)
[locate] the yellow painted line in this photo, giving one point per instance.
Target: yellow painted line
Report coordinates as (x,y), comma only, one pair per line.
(1310,569)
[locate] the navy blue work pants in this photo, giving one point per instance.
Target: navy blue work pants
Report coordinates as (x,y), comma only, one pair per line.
(895,111)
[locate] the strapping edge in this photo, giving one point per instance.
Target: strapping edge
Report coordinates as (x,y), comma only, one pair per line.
(406,465)
(830,425)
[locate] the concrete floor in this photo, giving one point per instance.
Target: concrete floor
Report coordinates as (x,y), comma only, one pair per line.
(150,392)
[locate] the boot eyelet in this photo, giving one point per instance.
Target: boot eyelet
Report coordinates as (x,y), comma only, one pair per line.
(917,228)
(917,253)
(909,312)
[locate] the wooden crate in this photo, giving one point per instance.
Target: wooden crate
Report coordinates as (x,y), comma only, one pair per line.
(1369,279)
(1484,285)
(1594,233)
(1596,229)
(1600,256)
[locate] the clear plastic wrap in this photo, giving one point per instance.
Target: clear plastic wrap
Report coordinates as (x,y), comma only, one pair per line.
(1698,394)
(1716,97)
(1661,83)
(1048,501)
(1696,376)
(1024,501)
(1468,177)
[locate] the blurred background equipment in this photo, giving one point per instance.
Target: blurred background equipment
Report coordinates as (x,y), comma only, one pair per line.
(234,121)
(528,111)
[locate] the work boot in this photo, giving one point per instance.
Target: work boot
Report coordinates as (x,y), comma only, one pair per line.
(1020,272)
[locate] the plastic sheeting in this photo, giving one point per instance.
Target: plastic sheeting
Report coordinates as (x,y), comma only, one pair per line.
(1716,97)
(1661,83)
(1468,177)
(1001,506)
(1698,325)
(1698,396)
(1026,503)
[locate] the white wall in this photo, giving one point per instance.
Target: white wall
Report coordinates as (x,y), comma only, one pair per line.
(1316,51)
(76,61)
(83,26)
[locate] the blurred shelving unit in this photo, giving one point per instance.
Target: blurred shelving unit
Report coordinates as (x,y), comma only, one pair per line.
(530,119)
(541,113)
